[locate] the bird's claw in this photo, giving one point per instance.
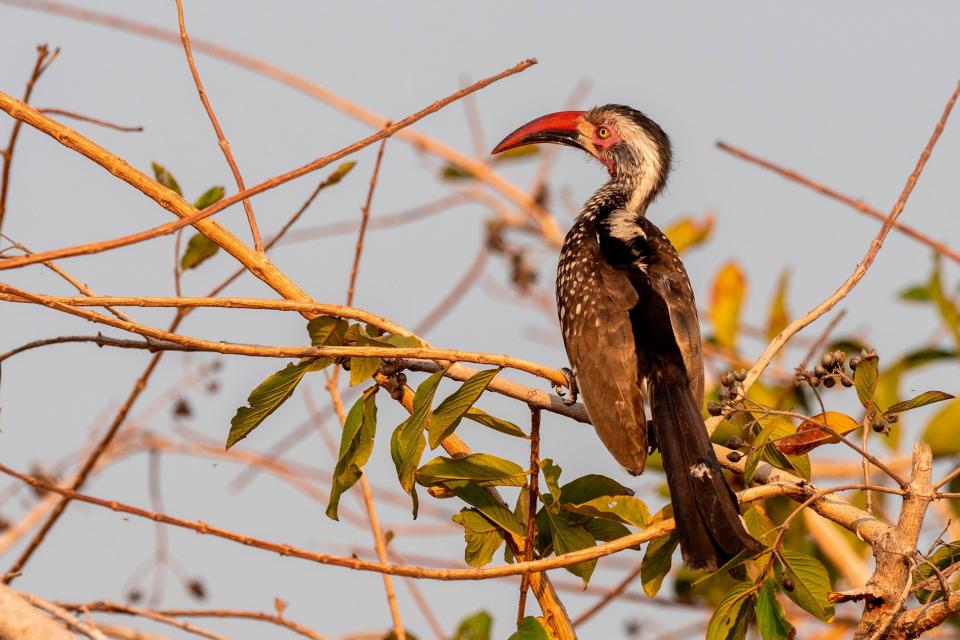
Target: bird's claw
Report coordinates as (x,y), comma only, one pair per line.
(569,391)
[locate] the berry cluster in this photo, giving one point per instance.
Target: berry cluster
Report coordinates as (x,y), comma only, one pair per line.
(830,371)
(398,379)
(731,392)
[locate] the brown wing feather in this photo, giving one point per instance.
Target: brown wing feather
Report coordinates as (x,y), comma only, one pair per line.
(606,364)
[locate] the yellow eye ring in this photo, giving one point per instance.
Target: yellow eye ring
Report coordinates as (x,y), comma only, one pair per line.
(603,133)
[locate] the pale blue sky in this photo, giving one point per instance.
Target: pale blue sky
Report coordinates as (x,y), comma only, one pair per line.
(846,93)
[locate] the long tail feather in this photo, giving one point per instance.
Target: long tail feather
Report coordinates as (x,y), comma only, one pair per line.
(704,507)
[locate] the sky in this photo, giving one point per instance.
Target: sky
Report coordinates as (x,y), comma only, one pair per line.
(846,93)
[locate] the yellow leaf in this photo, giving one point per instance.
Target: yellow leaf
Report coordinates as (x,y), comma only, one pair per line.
(688,232)
(778,317)
(726,297)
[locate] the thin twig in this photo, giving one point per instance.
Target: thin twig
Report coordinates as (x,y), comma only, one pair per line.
(224,143)
(171,201)
(608,597)
(44,59)
(91,120)
(480,170)
(854,203)
(532,499)
(364,218)
(106,606)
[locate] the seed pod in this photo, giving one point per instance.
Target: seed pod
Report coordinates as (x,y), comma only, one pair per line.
(892,418)
(879,426)
(828,360)
(847,382)
(401,378)
(735,442)
(829,382)
(727,379)
(734,456)
(714,408)
(740,375)
(820,370)
(814,381)
(839,356)
(724,394)
(788,584)
(854,361)
(397,393)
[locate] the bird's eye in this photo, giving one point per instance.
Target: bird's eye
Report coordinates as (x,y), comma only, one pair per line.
(603,133)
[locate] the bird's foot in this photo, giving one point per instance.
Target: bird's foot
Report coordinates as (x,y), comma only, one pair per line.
(569,391)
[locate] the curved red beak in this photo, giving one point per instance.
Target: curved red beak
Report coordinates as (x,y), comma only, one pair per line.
(563,127)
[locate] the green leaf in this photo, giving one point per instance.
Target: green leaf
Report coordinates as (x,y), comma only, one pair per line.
(199,249)
(338,174)
(625,509)
(362,369)
(266,397)
(922,400)
(606,530)
(165,178)
(408,442)
(812,583)
(944,557)
(759,524)
(865,380)
(326,331)
(531,629)
(568,537)
(482,537)
(773,427)
(941,432)
(551,472)
(483,468)
(949,312)
(916,293)
(492,422)
(450,412)
(209,197)
(475,627)
(730,619)
(590,486)
(356,445)
(489,505)
(771,618)
(656,562)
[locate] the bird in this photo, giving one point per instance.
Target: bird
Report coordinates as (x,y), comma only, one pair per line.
(630,328)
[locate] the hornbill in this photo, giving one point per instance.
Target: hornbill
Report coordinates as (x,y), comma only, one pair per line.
(630,325)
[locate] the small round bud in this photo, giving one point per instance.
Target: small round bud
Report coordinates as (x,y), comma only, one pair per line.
(839,356)
(714,408)
(847,382)
(727,379)
(735,442)
(740,375)
(820,370)
(397,393)
(892,418)
(734,456)
(879,426)
(828,360)
(401,378)
(829,382)
(854,361)
(724,394)
(788,584)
